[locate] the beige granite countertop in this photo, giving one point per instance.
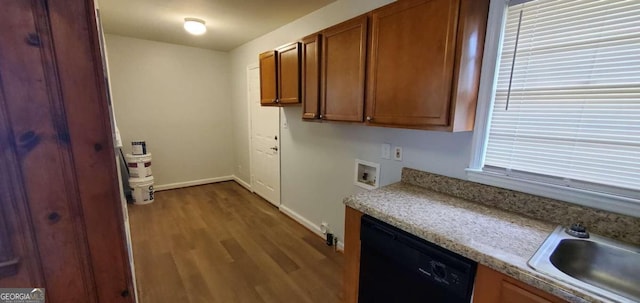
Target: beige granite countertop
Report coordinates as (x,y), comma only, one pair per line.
(501,240)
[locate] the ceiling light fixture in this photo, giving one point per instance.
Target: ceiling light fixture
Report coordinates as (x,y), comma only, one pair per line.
(194,26)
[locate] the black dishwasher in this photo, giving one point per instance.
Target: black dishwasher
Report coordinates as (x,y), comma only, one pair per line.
(396,266)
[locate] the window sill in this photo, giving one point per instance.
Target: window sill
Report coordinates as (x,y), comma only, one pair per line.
(607,202)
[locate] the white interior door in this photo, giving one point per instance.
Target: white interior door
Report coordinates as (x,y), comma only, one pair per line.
(265,143)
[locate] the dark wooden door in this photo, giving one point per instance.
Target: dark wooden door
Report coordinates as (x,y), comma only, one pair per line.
(61,219)
(268,78)
(343,70)
(411,63)
(311,76)
(289,73)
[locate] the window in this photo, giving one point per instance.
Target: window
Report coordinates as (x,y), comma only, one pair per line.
(563,101)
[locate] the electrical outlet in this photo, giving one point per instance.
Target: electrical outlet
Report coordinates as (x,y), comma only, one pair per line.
(324,227)
(385,153)
(397,153)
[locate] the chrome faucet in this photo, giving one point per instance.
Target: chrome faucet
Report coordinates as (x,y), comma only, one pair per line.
(577,230)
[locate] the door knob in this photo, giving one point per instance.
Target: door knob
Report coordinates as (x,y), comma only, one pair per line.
(275,148)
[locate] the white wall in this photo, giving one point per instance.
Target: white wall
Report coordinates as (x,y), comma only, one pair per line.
(318,159)
(176,98)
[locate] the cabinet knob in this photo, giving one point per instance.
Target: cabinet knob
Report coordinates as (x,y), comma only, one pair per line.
(321,117)
(369,118)
(125,293)
(277,100)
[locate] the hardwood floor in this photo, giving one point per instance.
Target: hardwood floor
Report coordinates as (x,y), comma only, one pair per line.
(221,243)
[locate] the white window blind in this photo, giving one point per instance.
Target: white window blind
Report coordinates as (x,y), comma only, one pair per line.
(567,104)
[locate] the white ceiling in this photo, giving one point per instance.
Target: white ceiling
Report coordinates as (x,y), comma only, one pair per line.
(230,23)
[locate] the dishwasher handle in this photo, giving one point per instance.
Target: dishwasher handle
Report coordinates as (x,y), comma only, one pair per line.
(391,234)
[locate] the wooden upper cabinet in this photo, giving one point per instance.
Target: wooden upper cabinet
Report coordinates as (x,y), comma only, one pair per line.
(494,287)
(288,66)
(280,76)
(268,78)
(343,70)
(424,63)
(311,76)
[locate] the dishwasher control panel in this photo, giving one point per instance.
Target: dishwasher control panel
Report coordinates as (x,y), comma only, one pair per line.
(441,273)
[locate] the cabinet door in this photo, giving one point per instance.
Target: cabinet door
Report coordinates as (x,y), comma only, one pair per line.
(513,293)
(311,76)
(288,74)
(494,287)
(343,70)
(268,78)
(411,63)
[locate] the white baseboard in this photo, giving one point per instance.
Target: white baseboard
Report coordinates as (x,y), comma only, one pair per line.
(302,220)
(192,183)
(308,224)
(242,183)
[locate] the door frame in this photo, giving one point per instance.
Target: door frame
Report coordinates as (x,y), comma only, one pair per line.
(250,122)
(250,67)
